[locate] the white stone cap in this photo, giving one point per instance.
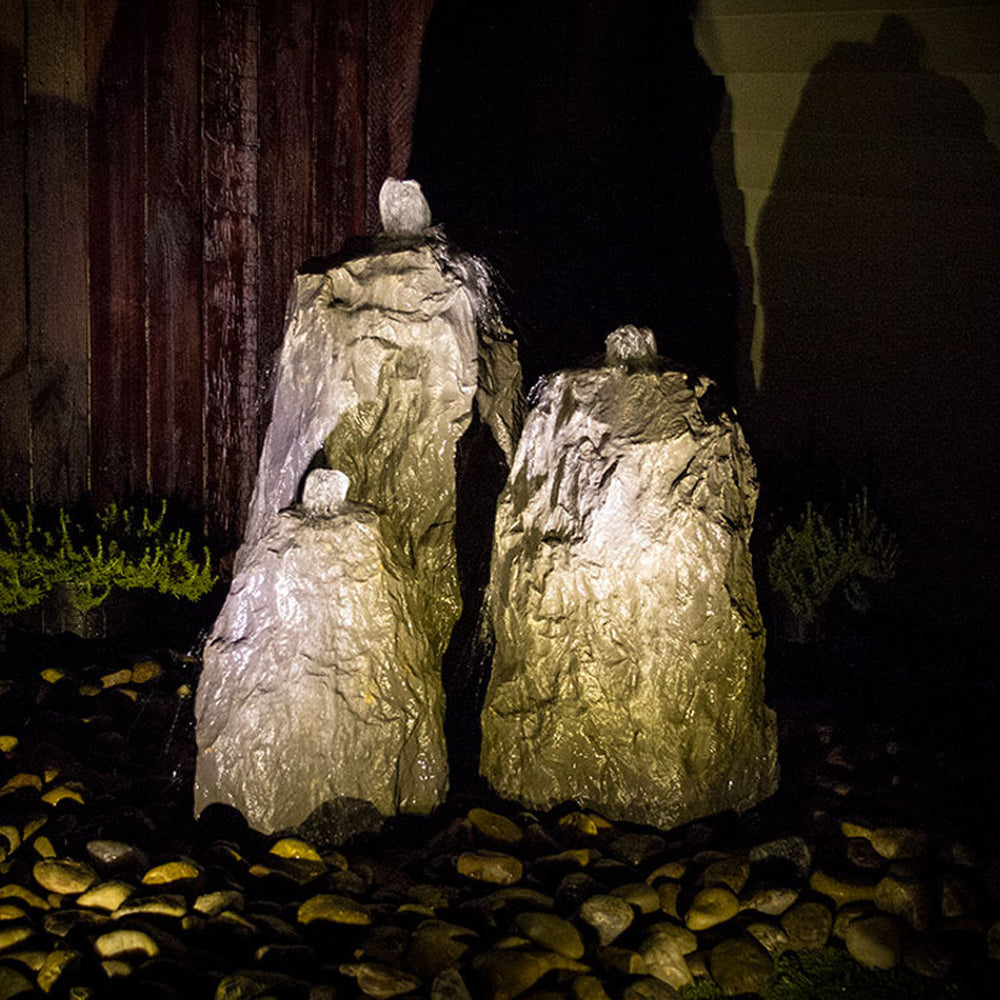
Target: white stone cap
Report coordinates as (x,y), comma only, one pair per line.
(629,345)
(325,492)
(403,208)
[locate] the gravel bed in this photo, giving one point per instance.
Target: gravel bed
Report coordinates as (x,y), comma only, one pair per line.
(875,870)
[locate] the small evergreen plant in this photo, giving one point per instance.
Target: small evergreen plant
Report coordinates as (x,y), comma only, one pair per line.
(127,548)
(813,561)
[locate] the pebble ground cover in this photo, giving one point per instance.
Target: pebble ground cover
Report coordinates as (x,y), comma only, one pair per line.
(874,872)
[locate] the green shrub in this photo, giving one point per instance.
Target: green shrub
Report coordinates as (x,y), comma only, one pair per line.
(812,562)
(126,547)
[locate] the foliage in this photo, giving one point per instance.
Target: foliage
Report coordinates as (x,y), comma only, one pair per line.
(811,562)
(832,974)
(126,547)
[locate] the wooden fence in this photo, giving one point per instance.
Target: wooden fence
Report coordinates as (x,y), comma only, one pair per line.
(164,169)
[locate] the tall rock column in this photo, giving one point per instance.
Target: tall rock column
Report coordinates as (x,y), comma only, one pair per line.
(629,665)
(322,676)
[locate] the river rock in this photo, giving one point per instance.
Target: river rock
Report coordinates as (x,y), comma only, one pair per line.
(876,941)
(714,905)
(551,932)
(608,915)
(628,673)
(808,924)
(64,875)
(741,965)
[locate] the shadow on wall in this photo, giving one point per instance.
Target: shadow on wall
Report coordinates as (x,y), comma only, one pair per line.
(570,144)
(879,258)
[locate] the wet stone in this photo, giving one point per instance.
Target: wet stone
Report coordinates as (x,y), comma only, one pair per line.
(729,872)
(792,850)
(643,897)
(622,961)
(841,890)
(334,909)
(993,940)
(649,988)
(771,936)
(772,901)
(741,965)
(908,898)
(668,892)
(931,957)
(551,932)
(899,842)
(959,896)
(13,982)
(495,827)
(13,935)
(490,866)
(64,875)
(293,848)
(712,906)
(249,985)
(511,971)
(55,966)
(380,981)
(861,853)
(877,942)
(664,955)
(574,889)
(637,848)
(849,912)
(164,905)
(212,903)
(116,944)
(608,915)
(807,925)
(432,948)
(171,871)
(449,985)
(673,870)
(61,923)
(589,988)
(106,896)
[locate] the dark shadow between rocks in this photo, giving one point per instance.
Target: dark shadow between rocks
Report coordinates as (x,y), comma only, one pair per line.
(570,145)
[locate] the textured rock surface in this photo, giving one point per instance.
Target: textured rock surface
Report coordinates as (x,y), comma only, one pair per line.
(322,676)
(628,672)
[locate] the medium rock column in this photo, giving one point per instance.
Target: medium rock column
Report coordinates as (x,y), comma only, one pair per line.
(629,665)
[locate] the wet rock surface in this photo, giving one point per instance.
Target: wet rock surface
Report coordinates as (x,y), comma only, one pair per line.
(628,673)
(109,887)
(303,705)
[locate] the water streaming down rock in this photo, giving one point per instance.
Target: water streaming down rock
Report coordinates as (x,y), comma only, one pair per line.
(322,677)
(629,672)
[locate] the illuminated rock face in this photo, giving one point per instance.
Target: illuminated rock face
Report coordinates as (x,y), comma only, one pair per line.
(314,687)
(322,677)
(629,672)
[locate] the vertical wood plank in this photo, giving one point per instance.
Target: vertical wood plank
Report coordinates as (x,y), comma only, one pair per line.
(377,91)
(285,173)
(407,23)
(395,35)
(58,313)
(15,438)
(231,258)
(116,65)
(173,247)
(340,111)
